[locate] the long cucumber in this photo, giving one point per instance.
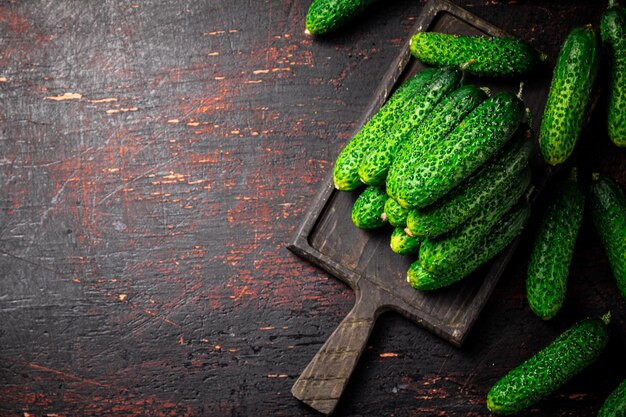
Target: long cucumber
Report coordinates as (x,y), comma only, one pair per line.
(608,212)
(570,90)
(465,200)
(378,158)
(550,368)
(548,268)
(479,55)
(613,32)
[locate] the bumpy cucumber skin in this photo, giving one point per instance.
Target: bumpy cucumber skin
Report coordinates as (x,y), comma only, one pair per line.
(498,238)
(442,165)
(615,404)
(444,119)
(326,16)
(467,199)
(552,251)
(549,369)
(395,213)
(378,158)
(573,78)
(443,255)
(368,208)
(608,211)
(613,32)
(479,55)
(403,244)
(345,171)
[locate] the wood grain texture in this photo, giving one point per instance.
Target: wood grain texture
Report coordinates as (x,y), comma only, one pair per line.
(155,158)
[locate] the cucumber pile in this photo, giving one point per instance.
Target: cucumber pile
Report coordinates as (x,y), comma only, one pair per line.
(444,165)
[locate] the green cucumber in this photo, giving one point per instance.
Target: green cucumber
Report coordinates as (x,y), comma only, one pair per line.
(441,165)
(572,80)
(443,120)
(613,31)
(608,211)
(395,214)
(552,251)
(479,55)
(345,171)
(378,158)
(550,368)
(615,404)
(467,199)
(368,208)
(499,237)
(403,244)
(327,16)
(442,255)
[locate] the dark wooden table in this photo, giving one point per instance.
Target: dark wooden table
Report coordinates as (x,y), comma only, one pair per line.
(155,158)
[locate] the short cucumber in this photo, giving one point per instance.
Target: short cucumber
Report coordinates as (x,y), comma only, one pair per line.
(440,165)
(345,171)
(479,55)
(368,208)
(443,120)
(444,254)
(327,16)
(552,251)
(572,80)
(395,214)
(403,244)
(613,31)
(608,212)
(499,237)
(466,199)
(378,158)
(615,404)
(550,368)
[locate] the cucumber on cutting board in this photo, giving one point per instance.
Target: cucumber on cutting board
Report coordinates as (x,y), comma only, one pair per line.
(480,55)
(395,214)
(403,244)
(368,208)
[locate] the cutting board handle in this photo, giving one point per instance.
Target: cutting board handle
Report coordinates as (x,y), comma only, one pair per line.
(321,383)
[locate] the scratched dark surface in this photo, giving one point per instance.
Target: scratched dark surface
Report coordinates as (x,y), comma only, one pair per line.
(155,158)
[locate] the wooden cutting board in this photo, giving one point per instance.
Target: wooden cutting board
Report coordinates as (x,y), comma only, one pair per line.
(363,259)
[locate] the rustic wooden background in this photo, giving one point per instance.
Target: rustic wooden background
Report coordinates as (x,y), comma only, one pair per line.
(155,158)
